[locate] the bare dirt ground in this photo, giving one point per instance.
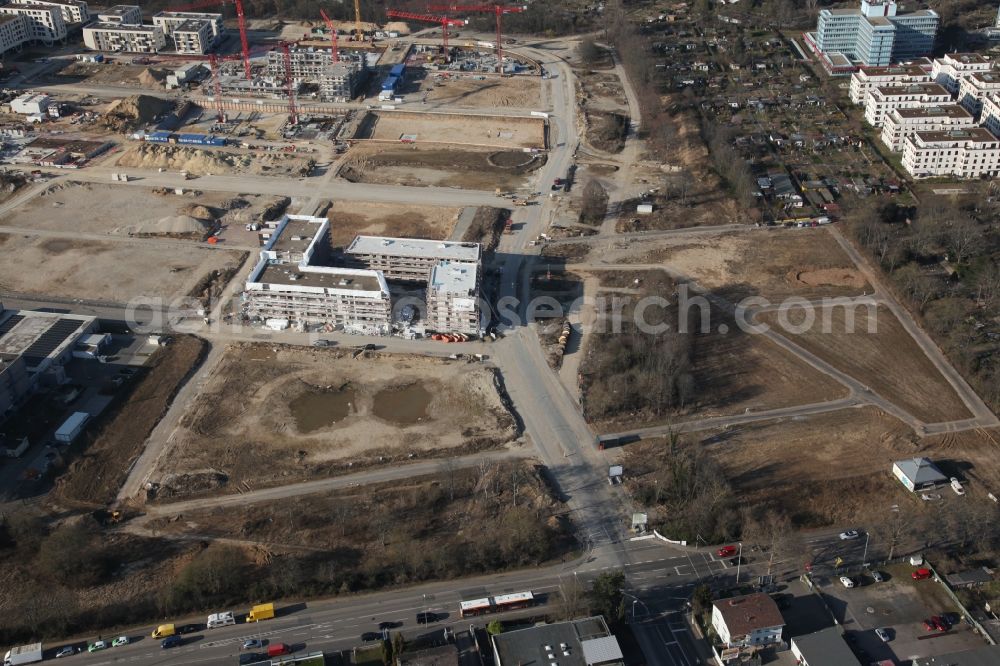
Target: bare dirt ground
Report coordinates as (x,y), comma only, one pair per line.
(351,218)
(888,361)
(107,271)
(200,162)
(489,131)
(519,92)
(106,209)
(416,166)
(96,476)
(116,74)
(270,416)
(600,90)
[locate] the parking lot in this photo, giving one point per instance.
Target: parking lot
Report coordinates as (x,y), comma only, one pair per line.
(900,605)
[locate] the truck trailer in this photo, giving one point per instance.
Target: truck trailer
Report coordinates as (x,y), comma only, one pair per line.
(23,654)
(261,612)
(72,427)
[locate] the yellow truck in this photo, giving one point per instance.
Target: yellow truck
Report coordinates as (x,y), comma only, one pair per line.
(163,631)
(261,612)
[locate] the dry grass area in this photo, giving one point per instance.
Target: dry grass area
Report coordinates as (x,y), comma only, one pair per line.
(271,416)
(118,211)
(351,218)
(108,271)
(453,128)
(464,92)
(96,476)
(114,74)
(201,162)
(600,90)
(889,360)
(415,166)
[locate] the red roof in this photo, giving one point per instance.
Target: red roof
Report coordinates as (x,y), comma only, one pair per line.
(745,614)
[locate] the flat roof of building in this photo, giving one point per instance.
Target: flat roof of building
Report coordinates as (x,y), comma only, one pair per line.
(414,247)
(935,111)
(913,89)
(340,279)
(843,11)
(67,3)
(37,335)
(975,134)
(969,58)
(454,277)
(826,647)
(294,233)
(192,25)
(879,21)
(122,27)
(985,77)
(194,15)
(893,70)
(982,656)
(561,642)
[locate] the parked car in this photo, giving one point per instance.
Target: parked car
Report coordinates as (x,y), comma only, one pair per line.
(726,551)
(929,626)
(389,625)
(370,636)
(939,623)
(170,641)
(97,645)
(951,618)
(121,640)
(877,576)
(426,618)
(921,574)
(67,651)
(188,628)
(252,644)
(848,535)
(278,649)
(882,634)
(252,657)
(846,582)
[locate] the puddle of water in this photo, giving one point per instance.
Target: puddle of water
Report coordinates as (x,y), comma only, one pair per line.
(319,409)
(403,406)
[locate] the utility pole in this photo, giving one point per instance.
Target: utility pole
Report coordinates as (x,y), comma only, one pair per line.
(739,563)
(864,558)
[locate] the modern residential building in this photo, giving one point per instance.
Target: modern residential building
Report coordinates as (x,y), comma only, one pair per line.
(453,298)
(950,69)
(338,82)
(972,90)
(73,11)
(45,24)
(191,32)
(901,123)
(14,31)
(584,642)
(750,620)
(874,35)
(989,117)
(826,647)
(883,101)
(121,15)
(124,38)
(867,79)
(968,153)
(407,259)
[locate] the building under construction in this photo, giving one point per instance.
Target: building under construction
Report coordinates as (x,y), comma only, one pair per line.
(338,82)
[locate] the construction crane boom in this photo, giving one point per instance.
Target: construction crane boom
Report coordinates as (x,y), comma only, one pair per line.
(334,51)
(240,18)
(359,34)
(444,21)
(293,114)
(497,10)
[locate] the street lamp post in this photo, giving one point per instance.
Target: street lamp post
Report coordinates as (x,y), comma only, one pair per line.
(739,562)
(864,558)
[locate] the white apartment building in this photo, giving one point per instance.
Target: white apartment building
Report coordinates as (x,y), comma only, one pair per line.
(901,123)
(191,32)
(73,11)
(168,21)
(120,38)
(453,298)
(949,70)
(121,15)
(45,24)
(967,153)
(867,79)
(884,100)
(407,259)
(990,116)
(972,90)
(14,30)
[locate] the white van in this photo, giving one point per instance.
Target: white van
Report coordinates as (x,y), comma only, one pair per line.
(220,620)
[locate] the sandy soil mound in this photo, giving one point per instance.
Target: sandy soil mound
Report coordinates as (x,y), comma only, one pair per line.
(176,158)
(196,211)
(829,277)
(131,112)
(152,78)
(175,224)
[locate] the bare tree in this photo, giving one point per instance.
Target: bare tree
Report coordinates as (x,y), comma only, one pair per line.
(773,533)
(963,238)
(894,528)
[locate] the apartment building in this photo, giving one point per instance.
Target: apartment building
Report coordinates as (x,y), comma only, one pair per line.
(122,38)
(874,35)
(169,21)
(901,123)
(191,32)
(949,70)
(407,259)
(453,298)
(44,24)
(972,90)
(121,15)
(73,11)
(884,100)
(867,79)
(990,115)
(14,31)
(966,153)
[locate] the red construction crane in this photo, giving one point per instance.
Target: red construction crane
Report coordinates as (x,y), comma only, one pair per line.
(293,114)
(244,42)
(215,62)
(498,10)
(443,20)
(334,52)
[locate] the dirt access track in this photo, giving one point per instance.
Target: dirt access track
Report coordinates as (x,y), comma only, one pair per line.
(105,271)
(453,128)
(272,416)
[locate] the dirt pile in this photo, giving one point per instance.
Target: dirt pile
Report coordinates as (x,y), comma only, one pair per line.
(197,211)
(176,225)
(178,158)
(152,77)
(131,112)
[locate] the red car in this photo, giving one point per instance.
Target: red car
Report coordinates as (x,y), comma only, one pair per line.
(278,649)
(939,624)
(921,574)
(929,625)
(726,551)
